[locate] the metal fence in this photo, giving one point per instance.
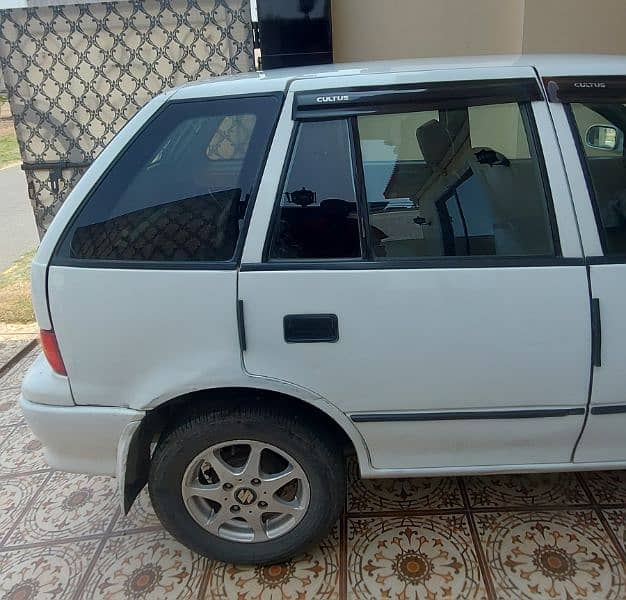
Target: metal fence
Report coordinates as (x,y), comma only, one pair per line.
(76,73)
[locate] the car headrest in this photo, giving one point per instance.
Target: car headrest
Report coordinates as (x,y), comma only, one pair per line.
(434,142)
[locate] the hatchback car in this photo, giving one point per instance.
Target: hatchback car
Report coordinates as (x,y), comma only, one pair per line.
(422,263)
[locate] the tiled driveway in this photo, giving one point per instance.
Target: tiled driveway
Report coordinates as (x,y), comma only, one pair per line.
(554,536)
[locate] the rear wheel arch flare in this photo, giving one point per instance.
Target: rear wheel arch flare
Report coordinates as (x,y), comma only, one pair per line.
(134,469)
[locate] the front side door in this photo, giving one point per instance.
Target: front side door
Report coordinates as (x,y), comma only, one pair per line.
(597,120)
(414,275)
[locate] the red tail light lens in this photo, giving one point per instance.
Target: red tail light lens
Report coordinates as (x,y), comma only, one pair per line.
(51,351)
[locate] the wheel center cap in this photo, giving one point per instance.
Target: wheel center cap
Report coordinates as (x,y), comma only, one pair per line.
(245,496)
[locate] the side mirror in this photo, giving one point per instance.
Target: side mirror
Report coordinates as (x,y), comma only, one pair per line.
(604,137)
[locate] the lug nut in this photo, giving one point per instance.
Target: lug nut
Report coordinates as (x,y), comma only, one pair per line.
(262,504)
(234,508)
(256,481)
(228,486)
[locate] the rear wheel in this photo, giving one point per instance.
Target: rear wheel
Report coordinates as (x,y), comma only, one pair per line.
(247,486)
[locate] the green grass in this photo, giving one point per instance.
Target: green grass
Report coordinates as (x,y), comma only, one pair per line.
(15,303)
(9,151)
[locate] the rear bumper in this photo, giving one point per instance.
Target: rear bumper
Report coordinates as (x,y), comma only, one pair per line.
(42,385)
(82,439)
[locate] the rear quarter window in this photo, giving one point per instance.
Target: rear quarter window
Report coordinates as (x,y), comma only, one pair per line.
(180,190)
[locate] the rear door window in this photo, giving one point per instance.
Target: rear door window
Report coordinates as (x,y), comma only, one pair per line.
(317,214)
(181,188)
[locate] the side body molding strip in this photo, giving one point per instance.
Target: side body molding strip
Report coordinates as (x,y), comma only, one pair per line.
(381,417)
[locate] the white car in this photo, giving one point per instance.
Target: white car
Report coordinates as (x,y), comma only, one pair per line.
(420,262)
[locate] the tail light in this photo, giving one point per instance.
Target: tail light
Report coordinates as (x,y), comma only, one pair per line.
(51,351)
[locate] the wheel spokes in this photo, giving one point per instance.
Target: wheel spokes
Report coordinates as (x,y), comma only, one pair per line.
(283,507)
(245,491)
(252,468)
(255,521)
(208,492)
(225,472)
(273,483)
(218,519)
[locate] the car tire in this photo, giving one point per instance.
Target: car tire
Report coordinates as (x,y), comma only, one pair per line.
(198,455)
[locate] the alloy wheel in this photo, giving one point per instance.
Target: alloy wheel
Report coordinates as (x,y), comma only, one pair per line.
(246,491)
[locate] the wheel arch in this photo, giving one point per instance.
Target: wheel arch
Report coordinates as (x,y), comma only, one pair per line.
(134,449)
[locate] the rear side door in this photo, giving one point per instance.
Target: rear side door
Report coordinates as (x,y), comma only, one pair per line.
(422,269)
(591,112)
(142,284)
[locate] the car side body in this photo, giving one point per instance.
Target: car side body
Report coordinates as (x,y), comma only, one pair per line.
(428,337)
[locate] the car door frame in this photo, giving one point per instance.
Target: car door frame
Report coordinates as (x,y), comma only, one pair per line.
(254,253)
(602,436)
(284,139)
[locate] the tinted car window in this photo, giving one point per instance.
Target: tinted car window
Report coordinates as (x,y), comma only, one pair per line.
(318,211)
(600,128)
(454,182)
(180,189)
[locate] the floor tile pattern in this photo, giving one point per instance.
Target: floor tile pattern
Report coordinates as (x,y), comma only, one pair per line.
(529,537)
(315,574)
(560,554)
(413,557)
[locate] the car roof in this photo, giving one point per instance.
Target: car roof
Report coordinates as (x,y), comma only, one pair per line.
(277,80)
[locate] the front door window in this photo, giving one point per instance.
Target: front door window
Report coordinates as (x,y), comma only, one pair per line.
(600,128)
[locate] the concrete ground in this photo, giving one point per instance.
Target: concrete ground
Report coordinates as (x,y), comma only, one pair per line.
(18,233)
(531,537)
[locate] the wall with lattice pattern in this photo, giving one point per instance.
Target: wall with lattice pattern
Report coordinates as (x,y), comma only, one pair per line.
(75,74)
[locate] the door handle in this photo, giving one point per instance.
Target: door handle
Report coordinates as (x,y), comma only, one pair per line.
(309,329)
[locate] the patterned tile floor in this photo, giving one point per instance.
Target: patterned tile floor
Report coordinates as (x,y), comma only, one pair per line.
(559,536)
